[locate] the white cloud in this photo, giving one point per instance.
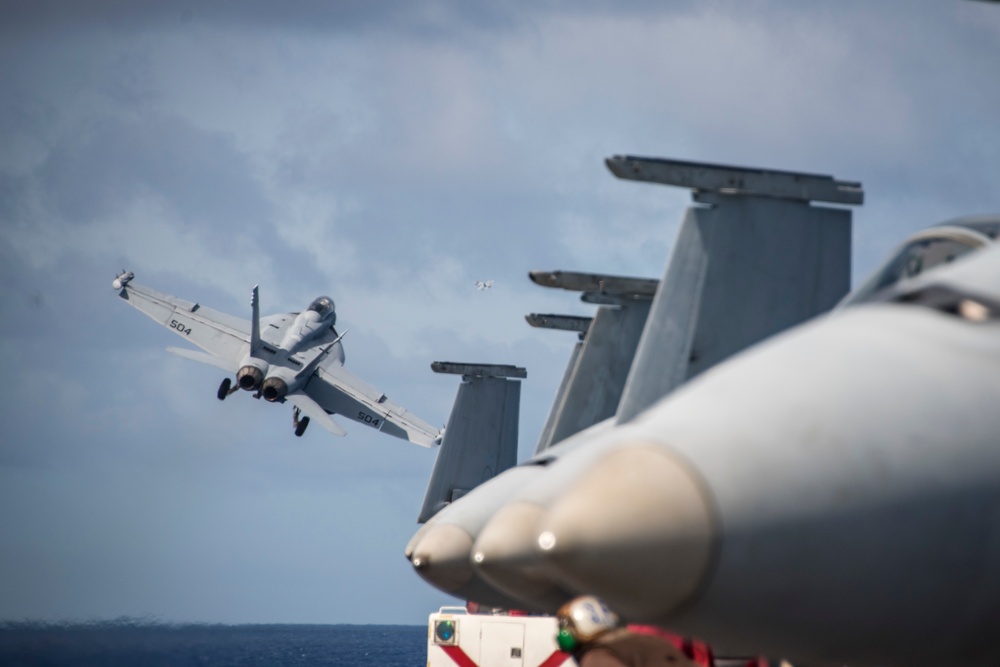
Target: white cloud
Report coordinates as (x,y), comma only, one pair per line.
(148,235)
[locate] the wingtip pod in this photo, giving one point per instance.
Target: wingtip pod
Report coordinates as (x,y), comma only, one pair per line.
(421,433)
(421,439)
(122,279)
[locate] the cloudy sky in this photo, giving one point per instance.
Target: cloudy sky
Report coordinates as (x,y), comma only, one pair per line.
(389,155)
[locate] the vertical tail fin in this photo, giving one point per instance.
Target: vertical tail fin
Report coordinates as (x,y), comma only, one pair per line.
(480,440)
(254,321)
(759,258)
(595,377)
(554,322)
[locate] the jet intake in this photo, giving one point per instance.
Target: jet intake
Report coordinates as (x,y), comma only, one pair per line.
(274,389)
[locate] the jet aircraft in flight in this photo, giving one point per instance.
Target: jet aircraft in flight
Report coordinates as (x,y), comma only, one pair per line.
(294,357)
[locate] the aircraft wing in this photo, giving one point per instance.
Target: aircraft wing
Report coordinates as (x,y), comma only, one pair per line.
(219,334)
(338,390)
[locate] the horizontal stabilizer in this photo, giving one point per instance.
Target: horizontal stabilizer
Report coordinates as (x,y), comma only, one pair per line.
(479,370)
(560,322)
(204,358)
(345,394)
(596,283)
(312,409)
(727,179)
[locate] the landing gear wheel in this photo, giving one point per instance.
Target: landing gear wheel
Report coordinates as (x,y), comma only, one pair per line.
(224,389)
(300,428)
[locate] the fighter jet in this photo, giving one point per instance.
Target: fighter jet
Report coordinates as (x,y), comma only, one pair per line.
(294,357)
(830,496)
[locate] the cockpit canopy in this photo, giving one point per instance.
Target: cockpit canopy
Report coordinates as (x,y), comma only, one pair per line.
(928,249)
(324,306)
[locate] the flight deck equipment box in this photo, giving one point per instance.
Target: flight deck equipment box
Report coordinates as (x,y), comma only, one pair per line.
(456,637)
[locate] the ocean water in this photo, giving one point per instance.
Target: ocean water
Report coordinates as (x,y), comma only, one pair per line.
(127,643)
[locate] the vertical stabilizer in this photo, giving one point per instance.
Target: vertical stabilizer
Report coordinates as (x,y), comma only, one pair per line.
(755,259)
(595,377)
(480,440)
(254,321)
(566,323)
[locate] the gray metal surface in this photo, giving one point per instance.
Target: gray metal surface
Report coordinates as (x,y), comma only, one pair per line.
(728,179)
(560,322)
(740,271)
(830,496)
(784,261)
(852,468)
(480,440)
(545,439)
(575,281)
(479,370)
(595,386)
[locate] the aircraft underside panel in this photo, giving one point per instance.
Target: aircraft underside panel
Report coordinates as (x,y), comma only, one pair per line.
(344,394)
(215,332)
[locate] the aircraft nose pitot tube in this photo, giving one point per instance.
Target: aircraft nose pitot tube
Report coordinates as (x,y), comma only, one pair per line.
(251,373)
(274,389)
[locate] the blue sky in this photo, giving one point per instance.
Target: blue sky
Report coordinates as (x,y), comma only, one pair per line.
(388,156)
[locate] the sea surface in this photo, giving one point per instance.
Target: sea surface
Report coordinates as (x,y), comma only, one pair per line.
(121,643)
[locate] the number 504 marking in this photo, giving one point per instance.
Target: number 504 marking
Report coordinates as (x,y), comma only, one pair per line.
(174,324)
(368,419)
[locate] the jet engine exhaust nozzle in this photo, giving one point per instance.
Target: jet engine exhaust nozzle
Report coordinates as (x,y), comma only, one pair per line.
(274,389)
(250,378)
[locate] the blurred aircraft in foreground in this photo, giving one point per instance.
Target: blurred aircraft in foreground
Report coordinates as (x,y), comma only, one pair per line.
(295,357)
(829,495)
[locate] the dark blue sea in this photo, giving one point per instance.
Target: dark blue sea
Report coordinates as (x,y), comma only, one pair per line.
(121,644)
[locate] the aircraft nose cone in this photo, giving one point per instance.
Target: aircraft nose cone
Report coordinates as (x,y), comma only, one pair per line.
(441,557)
(506,555)
(637,530)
